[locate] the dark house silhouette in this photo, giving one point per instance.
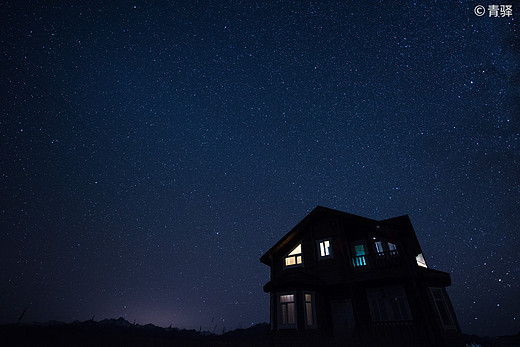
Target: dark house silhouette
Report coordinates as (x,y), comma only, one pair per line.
(358,281)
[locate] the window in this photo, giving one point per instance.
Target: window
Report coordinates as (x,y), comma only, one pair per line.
(310,317)
(388,304)
(420,260)
(294,257)
(379,247)
(385,247)
(359,255)
(325,249)
(287,311)
(442,308)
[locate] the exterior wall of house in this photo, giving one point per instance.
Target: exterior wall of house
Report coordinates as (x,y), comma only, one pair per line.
(336,282)
(342,233)
(330,269)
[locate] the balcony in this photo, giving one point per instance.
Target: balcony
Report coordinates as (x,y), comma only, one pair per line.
(375,261)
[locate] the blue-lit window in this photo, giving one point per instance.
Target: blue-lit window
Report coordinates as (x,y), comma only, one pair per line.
(359,258)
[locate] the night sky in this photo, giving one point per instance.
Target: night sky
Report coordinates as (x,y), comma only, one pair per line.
(152,152)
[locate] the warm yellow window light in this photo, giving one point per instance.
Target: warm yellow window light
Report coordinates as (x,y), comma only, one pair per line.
(294,257)
(297,250)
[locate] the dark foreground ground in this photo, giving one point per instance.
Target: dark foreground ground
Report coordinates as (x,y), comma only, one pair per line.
(122,333)
(119,332)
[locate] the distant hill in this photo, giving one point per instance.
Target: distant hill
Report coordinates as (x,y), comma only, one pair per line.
(120,332)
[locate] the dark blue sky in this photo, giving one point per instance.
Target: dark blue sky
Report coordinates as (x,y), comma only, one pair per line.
(152,152)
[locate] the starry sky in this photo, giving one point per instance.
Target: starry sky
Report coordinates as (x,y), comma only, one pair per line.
(151,152)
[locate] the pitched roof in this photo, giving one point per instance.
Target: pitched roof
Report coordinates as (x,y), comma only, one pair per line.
(320,210)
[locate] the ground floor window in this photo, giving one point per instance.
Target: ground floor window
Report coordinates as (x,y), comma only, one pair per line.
(388,304)
(296,306)
(287,311)
(442,308)
(310,310)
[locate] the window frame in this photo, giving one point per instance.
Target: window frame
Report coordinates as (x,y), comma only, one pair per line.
(312,303)
(379,244)
(279,304)
(354,256)
(296,264)
(384,298)
(419,259)
(451,323)
(384,247)
(318,245)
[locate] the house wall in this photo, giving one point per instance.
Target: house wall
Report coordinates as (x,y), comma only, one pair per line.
(334,278)
(343,233)
(331,270)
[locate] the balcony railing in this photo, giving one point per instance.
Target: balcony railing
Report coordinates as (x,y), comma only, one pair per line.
(380,260)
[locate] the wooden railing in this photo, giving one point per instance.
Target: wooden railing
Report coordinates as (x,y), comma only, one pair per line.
(380,260)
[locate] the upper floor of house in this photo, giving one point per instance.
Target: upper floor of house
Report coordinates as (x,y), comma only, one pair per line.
(337,247)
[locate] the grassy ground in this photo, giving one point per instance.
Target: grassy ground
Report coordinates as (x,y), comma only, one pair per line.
(94,334)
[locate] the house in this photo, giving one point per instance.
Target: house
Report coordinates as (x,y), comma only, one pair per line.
(358,281)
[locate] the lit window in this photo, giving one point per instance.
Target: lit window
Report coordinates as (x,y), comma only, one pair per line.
(379,247)
(420,260)
(287,312)
(309,310)
(359,255)
(294,257)
(325,249)
(388,248)
(388,304)
(442,308)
